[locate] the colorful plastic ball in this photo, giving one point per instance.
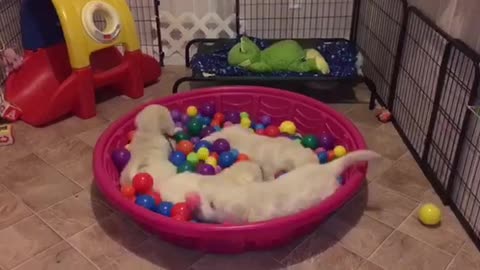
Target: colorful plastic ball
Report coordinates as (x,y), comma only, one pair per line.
(181,136)
(220,145)
(430,214)
(176,115)
(214,155)
(259,127)
(220,117)
(310,141)
(142,183)
(207,109)
(145,201)
(217,128)
(235,153)
(331,155)
(323,157)
(266,120)
(186,167)
(127,146)
(194,127)
(260,132)
(244,115)
(128,191)
(211,161)
(226,159)
(327,141)
(227,124)
(184,119)
(319,150)
(288,127)
(120,158)
(192,111)
(246,122)
(272,131)
(205,169)
(243,157)
(218,170)
(206,131)
(130,135)
(156,196)
(164,209)
(339,151)
(203,143)
(193,159)
(233,117)
(205,121)
(194,140)
(185,147)
(177,158)
(203,153)
(215,123)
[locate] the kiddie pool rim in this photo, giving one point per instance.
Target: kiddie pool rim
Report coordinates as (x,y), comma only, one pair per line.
(188,229)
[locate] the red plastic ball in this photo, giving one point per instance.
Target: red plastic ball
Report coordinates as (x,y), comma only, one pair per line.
(128,191)
(181,209)
(180,218)
(215,123)
(331,155)
(143,183)
(260,132)
(243,157)
(220,117)
(185,147)
(130,135)
(156,196)
(272,131)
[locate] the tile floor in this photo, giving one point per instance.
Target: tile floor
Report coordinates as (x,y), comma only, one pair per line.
(52,217)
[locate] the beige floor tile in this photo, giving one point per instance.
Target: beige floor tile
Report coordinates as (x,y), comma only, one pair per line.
(400,252)
(37,137)
(23,240)
(465,261)
(369,266)
(113,108)
(358,233)
(91,136)
(378,167)
(383,204)
(388,145)
(13,152)
(470,247)
(252,261)
(388,128)
(12,209)
(322,252)
(59,257)
(36,183)
(400,180)
(108,240)
(280,253)
(74,125)
(360,114)
(157,254)
(75,214)
(72,157)
(341,107)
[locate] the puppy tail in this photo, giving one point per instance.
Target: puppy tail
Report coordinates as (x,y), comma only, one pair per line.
(340,165)
(157,119)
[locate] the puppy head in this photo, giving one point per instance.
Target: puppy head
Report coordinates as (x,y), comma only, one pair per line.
(155,119)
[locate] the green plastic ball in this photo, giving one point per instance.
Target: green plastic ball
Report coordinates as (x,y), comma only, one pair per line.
(186,167)
(194,126)
(244,115)
(181,136)
(193,159)
(310,141)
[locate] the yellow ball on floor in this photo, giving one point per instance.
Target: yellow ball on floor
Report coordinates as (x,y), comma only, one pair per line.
(203,153)
(211,161)
(429,214)
(288,127)
(339,151)
(192,111)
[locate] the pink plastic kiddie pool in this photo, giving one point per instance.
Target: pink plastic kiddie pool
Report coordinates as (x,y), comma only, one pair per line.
(311,117)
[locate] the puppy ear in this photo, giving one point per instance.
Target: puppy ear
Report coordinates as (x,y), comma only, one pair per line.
(193,200)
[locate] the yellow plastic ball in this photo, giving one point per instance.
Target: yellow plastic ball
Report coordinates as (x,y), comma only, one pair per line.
(211,161)
(203,153)
(288,127)
(192,111)
(339,151)
(429,214)
(246,122)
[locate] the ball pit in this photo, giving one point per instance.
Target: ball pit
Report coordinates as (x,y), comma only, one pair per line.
(310,117)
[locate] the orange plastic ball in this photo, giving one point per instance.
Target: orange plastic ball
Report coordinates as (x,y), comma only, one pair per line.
(214,155)
(243,157)
(215,123)
(130,135)
(220,117)
(331,155)
(128,191)
(185,147)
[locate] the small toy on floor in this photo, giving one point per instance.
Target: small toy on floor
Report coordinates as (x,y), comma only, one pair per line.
(7,110)
(430,214)
(383,114)
(6,135)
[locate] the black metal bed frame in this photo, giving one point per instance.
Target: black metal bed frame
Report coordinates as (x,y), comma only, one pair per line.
(427,79)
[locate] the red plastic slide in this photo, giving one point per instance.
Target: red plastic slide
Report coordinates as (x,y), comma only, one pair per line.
(45,88)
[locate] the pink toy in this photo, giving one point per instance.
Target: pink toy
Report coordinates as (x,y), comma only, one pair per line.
(311,117)
(10,60)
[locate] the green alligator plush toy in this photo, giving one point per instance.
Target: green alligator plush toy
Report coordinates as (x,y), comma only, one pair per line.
(285,55)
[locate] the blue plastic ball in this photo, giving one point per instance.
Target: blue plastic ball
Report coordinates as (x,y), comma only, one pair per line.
(226,159)
(164,209)
(259,127)
(217,128)
(205,121)
(203,143)
(235,153)
(323,157)
(145,201)
(177,158)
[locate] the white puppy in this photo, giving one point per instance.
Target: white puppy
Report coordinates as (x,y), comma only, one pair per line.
(273,154)
(295,191)
(150,147)
(177,187)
